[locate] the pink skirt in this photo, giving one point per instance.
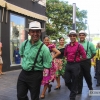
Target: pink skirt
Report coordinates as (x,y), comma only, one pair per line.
(49,75)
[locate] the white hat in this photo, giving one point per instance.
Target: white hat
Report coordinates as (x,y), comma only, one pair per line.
(98,42)
(82,31)
(72,32)
(34,26)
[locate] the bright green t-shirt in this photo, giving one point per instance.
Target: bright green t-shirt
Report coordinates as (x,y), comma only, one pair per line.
(29,54)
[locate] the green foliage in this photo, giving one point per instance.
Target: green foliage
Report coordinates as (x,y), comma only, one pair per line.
(59,15)
(15,32)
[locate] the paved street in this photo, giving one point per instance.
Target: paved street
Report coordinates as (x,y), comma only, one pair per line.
(8,89)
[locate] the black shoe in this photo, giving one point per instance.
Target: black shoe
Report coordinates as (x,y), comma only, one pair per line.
(95,77)
(58,88)
(49,88)
(98,85)
(91,88)
(72,98)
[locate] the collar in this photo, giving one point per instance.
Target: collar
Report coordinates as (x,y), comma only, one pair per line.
(60,47)
(83,41)
(37,43)
(75,43)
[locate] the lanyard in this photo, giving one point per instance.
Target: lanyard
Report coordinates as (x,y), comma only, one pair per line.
(87,47)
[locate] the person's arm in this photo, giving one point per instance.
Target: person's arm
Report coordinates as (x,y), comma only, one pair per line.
(82,52)
(94,61)
(47,58)
(56,52)
(93,50)
(0,52)
(65,52)
(21,50)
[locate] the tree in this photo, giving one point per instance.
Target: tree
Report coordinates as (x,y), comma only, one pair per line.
(15,34)
(59,15)
(15,31)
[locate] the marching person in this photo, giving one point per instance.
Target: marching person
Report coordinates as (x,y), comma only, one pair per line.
(97,64)
(94,60)
(86,64)
(35,57)
(60,61)
(74,53)
(49,75)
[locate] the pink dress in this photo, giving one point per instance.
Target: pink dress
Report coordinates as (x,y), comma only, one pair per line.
(0,45)
(49,75)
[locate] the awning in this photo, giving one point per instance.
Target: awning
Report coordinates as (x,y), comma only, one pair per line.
(2,3)
(25,12)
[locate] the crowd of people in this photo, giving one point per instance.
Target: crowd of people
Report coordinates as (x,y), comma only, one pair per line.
(44,62)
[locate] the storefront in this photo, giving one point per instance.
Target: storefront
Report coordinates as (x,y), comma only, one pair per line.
(15,15)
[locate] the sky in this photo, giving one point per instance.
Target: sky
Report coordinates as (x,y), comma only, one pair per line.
(93,9)
(18,20)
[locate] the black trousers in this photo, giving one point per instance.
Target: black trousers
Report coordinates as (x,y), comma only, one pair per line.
(29,81)
(85,67)
(71,78)
(98,71)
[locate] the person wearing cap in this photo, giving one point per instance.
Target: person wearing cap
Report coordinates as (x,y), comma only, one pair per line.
(86,64)
(73,51)
(32,70)
(97,64)
(94,60)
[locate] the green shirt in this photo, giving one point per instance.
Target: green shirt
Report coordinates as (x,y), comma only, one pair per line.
(91,49)
(29,54)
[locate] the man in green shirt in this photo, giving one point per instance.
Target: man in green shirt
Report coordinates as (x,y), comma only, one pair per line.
(86,64)
(32,70)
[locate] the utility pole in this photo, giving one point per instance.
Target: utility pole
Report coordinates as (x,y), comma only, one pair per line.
(74,16)
(86,22)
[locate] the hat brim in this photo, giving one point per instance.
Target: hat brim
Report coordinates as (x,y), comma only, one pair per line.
(72,34)
(42,29)
(83,33)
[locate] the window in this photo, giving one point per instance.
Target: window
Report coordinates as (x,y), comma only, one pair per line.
(17,36)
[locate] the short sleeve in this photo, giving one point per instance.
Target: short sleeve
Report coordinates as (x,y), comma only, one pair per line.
(51,46)
(82,51)
(47,58)
(22,48)
(92,48)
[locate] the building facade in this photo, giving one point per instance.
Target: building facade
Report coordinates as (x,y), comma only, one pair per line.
(15,15)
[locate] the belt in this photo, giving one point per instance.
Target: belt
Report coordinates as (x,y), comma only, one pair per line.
(85,60)
(72,62)
(31,71)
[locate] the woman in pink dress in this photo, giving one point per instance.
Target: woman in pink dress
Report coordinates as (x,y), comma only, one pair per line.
(49,74)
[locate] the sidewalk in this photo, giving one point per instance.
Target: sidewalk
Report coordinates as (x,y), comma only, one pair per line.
(8,88)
